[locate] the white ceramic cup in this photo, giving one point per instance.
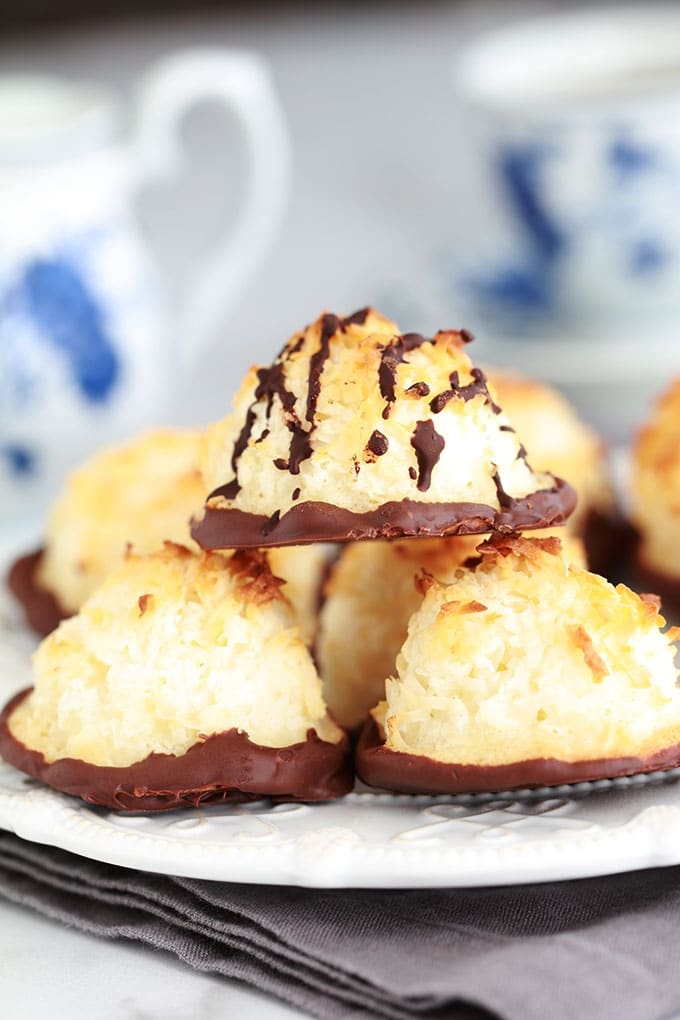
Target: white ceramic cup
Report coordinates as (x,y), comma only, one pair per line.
(89,351)
(579,116)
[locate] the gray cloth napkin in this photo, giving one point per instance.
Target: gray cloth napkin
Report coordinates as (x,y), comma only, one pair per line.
(598,949)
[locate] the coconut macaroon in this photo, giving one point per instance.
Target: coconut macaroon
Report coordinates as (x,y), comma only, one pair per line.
(142,492)
(369,598)
(655,497)
(182,680)
(495,690)
(558,440)
(358,431)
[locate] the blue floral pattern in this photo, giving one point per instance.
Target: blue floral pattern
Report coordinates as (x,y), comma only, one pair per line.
(54,295)
(616,214)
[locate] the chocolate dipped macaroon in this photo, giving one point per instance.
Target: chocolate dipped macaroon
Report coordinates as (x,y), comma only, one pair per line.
(183,680)
(357,431)
(525,671)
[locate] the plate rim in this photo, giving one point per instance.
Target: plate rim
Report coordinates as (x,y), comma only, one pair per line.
(335,856)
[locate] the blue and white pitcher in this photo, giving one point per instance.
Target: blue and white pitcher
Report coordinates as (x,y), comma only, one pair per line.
(87,352)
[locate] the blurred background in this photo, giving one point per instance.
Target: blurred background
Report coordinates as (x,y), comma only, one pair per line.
(509,167)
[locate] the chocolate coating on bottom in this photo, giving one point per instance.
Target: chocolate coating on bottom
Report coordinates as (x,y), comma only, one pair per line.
(224,767)
(41,609)
(314,521)
(379,766)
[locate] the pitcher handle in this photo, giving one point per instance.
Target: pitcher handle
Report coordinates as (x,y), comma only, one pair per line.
(241,81)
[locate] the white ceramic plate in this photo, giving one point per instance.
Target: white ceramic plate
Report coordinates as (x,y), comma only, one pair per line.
(369,840)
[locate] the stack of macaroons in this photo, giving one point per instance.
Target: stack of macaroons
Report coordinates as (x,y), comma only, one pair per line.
(183,680)
(655,498)
(186,677)
(494,689)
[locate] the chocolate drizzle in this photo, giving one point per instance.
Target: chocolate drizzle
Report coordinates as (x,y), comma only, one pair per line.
(297,346)
(357,318)
(392,356)
(232,488)
(377,444)
(439,402)
(428,445)
(301,443)
(478,387)
(504,500)
(271,382)
(229,491)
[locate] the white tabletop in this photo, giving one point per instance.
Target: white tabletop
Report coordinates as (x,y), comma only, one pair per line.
(42,963)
